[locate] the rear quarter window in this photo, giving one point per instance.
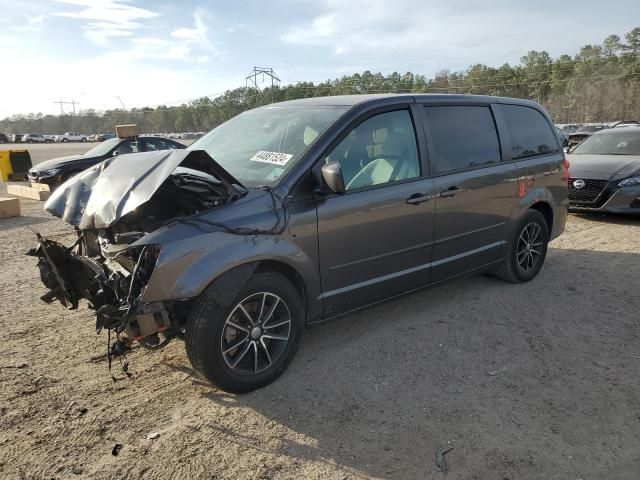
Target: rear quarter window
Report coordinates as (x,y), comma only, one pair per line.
(529,131)
(461,138)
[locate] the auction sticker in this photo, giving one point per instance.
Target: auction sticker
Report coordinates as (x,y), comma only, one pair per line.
(275,158)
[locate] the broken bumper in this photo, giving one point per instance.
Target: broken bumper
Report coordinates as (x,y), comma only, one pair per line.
(112,291)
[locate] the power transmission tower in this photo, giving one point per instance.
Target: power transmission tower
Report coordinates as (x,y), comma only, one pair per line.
(265,72)
(72,102)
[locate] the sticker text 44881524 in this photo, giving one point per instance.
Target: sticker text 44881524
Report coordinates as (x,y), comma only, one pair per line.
(275,158)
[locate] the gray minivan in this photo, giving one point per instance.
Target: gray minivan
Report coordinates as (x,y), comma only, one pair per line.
(301,211)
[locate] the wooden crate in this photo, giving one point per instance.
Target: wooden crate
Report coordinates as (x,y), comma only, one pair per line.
(9,207)
(27,192)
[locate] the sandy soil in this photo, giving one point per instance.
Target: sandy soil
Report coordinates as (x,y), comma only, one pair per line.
(524,381)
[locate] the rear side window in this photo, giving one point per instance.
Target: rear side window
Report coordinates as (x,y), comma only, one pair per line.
(462,137)
(529,131)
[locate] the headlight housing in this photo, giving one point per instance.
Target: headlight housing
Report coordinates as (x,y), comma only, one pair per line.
(48,173)
(629,182)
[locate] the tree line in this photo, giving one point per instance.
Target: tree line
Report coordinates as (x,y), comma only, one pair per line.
(600,83)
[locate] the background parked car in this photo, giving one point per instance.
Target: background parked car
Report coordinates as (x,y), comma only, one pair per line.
(564,136)
(605,172)
(584,132)
(71,137)
(35,138)
(626,123)
(101,137)
(56,171)
(4,138)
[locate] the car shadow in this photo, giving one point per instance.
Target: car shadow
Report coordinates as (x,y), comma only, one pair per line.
(613,218)
(519,379)
(22,221)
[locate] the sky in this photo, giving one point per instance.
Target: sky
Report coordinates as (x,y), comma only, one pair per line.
(156,52)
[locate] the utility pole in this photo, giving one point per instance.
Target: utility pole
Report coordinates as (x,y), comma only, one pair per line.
(252,78)
(122,103)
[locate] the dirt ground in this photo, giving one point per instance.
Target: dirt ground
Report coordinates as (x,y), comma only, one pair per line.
(523,381)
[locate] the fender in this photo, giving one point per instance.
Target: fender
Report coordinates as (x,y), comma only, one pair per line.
(533,196)
(187,276)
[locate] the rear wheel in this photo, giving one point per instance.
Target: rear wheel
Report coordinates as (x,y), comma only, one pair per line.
(527,250)
(250,343)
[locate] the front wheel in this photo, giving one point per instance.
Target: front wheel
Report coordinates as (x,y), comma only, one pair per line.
(64,140)
(248,344)
(527,249)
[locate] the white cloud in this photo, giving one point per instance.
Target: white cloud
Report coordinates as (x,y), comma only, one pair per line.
(430,32)
(197,33)
(97,81)
(107,18)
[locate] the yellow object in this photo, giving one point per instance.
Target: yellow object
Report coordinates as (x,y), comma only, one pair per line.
(5,165)
(20,158)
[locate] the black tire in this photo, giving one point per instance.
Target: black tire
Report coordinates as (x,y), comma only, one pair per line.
(513,269)
(208,330)
(64,140)
(84,139)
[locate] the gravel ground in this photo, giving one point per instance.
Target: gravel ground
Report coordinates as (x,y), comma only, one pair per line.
(523,381)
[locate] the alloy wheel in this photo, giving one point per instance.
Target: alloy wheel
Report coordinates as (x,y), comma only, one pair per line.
(529,250)
(256,333)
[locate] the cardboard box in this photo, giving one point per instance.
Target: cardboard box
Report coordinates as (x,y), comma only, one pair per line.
(126,131)
(9,207)
(27,192)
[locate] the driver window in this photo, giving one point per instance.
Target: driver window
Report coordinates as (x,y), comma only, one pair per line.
(380,150)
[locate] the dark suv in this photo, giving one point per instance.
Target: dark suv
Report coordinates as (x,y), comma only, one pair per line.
(301,211)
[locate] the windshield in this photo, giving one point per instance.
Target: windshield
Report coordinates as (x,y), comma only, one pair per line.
(103,148)
(613,142)
(257,147)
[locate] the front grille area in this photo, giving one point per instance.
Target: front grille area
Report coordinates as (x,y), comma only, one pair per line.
(587,194)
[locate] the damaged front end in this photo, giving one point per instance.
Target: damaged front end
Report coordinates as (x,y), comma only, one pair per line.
(113,285)
(113,207)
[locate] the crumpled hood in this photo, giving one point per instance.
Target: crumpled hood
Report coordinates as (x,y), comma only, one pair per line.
(101,195)
(603,167)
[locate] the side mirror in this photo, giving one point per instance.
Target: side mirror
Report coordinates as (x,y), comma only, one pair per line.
(332,176)
(115,153)
(567,149)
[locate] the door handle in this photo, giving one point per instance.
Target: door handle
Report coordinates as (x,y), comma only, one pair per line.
(418,198)
(450,192)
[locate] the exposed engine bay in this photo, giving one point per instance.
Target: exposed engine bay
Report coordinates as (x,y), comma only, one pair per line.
(105,266)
